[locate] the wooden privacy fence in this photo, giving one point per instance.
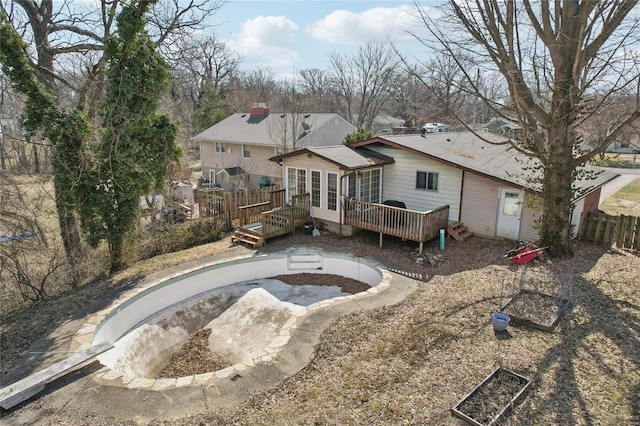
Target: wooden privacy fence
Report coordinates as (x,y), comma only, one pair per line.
(240,207)
(398,222)
(604,229)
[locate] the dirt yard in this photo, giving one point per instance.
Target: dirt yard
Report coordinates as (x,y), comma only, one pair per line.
(411,363)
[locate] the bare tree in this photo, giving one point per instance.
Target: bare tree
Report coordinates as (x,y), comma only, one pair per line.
(29,258)
(256,86)
(65,34)
(562,62)
(317,86)
(362,81)
(205,62)
(204,71)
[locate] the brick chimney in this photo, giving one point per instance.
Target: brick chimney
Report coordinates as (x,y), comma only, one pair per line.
(259,110)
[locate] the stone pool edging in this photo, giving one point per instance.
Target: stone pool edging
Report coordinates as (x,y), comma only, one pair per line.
(106,376)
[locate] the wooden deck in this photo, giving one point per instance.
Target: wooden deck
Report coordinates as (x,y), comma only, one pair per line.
(273,223)
(387,220)
(239,208)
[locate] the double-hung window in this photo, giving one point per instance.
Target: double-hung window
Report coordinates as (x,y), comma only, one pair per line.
(316,178)
(296,181)
(245,151)
(332,191)
(219,147)
(427,180)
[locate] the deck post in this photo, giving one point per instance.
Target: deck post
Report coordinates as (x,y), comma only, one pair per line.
(381,234)
(421,246)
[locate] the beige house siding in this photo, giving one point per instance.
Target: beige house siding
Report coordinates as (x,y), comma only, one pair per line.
(399,182)
(256,166)
(314,163)
(325,133)
(578,209)
(480,197)
(527,222)
(480,203)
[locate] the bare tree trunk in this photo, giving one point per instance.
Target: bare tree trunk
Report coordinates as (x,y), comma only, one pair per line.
(70,233)
(557,195)
(115,256)
(36,159)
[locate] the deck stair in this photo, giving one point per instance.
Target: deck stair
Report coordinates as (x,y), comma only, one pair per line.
(301,261)
(459,232)
(245,236)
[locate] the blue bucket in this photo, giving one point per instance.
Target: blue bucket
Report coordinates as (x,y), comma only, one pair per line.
(500,321)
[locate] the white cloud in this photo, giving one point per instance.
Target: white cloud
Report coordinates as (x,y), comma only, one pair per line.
(270,38)
(345,27)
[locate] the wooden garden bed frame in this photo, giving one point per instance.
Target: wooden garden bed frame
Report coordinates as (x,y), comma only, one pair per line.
(458,409)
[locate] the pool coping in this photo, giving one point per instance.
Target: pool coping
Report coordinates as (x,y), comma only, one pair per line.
(83,338)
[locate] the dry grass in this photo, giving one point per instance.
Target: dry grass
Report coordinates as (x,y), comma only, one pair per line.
(411,363)
(21,328)
(624,202)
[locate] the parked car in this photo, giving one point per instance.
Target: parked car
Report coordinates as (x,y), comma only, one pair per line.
(436,127)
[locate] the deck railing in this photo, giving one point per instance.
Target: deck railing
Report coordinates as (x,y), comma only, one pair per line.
(398,222)
(240,207)
(281,220)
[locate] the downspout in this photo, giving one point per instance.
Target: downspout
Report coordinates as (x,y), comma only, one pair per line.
(461,194)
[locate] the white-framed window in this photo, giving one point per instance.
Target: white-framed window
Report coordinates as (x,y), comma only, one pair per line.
(365,185)
(352,184)
(511,204)
(246,153)
(220,147)
(316,188)
(427,180)
(332,191)
(369,186)
(296,181)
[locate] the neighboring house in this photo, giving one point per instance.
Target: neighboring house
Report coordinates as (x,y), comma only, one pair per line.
(628,146)
(235,152)
(483,184)
(383,124)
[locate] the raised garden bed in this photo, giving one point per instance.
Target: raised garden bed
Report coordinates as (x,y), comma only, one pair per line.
(493,398)
(536,309)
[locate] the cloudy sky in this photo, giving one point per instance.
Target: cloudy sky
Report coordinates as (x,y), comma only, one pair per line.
(291,35)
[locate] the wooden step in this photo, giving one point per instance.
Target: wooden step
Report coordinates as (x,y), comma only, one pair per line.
(245,237)
(459,232)
(465,235)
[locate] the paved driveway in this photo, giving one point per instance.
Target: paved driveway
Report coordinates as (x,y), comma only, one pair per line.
(626,177)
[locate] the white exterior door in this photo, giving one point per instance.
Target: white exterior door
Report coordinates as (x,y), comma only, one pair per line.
(509,212)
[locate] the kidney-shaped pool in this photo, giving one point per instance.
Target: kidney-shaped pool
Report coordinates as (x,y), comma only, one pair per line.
(248,306)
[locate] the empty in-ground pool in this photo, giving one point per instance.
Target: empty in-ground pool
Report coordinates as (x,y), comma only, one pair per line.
(247,309)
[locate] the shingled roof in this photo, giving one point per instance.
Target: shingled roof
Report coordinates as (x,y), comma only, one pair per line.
(245,128)
(343,156)
(468,151)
